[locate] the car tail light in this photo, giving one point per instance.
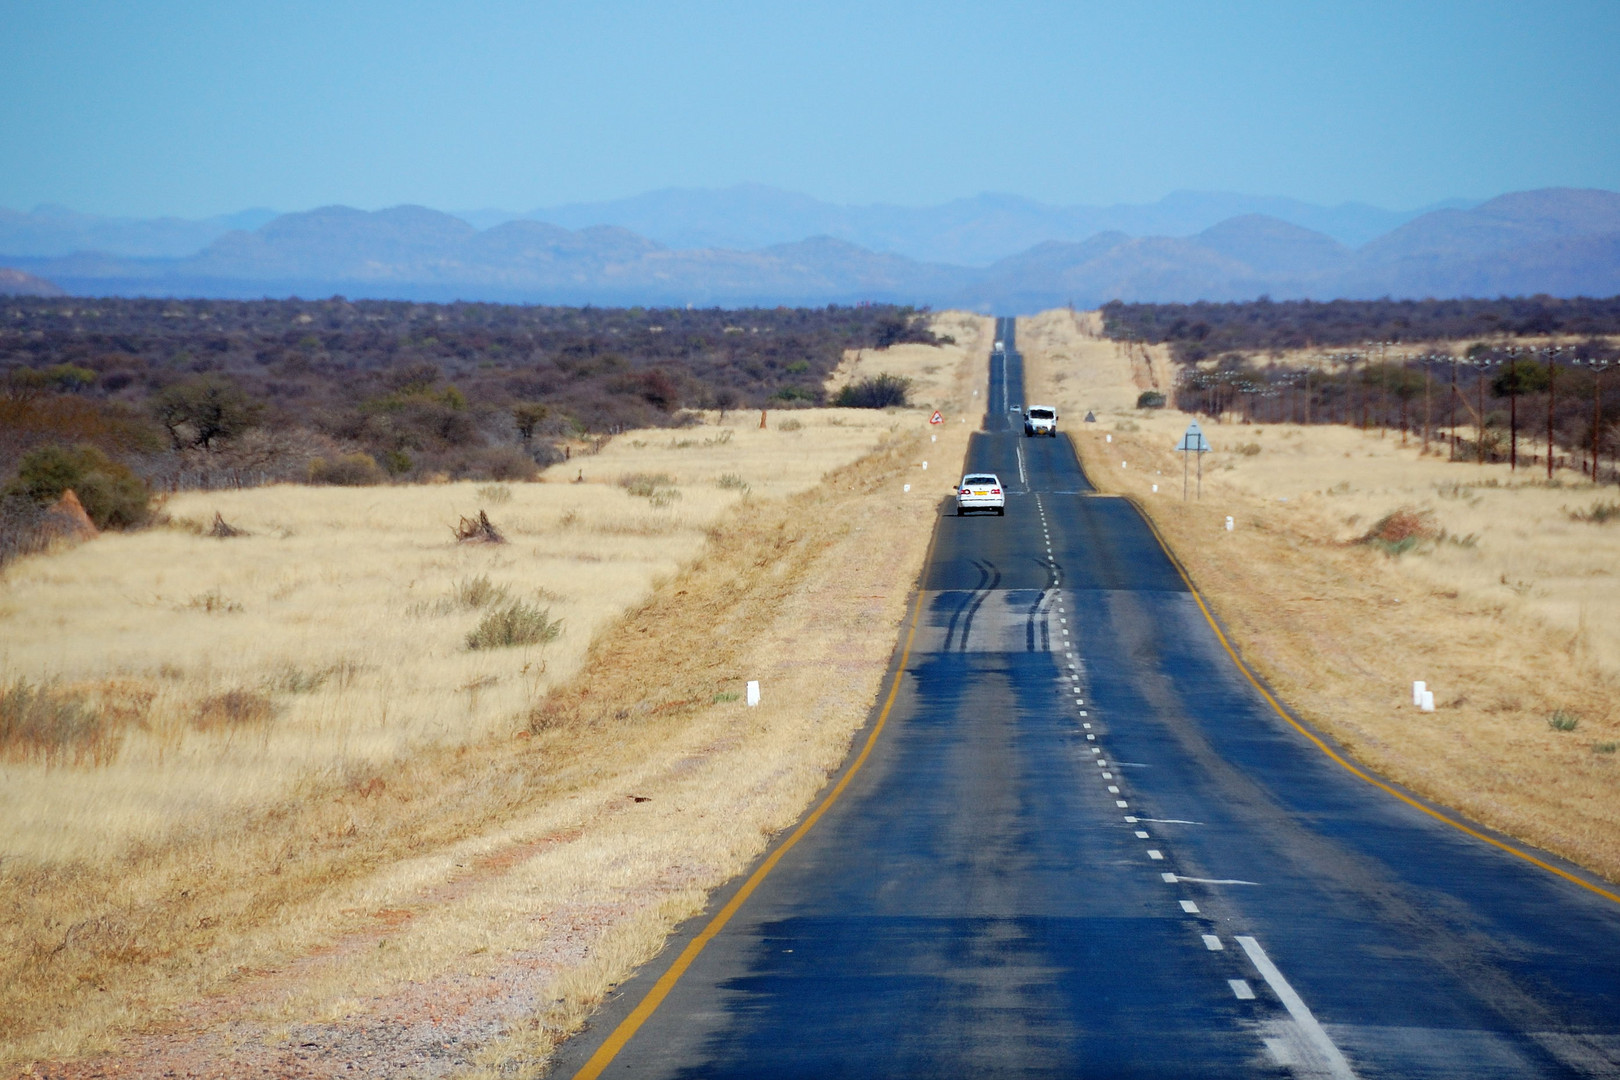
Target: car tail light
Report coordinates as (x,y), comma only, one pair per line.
(967,491)
(995,491)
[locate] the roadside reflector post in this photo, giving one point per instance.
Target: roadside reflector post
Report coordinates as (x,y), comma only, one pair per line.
(1108,438)
(908,487)
(1417,692)
(1428,701)
(753,693)
(925,466)
(1228,522)
(1155,489)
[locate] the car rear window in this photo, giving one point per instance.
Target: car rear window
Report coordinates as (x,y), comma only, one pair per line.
(977,481)
(1040,414)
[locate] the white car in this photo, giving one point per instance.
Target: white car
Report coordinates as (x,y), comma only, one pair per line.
(1040,420)
(980,491)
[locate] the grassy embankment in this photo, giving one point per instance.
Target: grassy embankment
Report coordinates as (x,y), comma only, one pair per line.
(1505,598)
(312,809)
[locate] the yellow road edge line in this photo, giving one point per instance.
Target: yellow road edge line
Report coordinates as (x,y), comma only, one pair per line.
(1328,750)
(648,1005)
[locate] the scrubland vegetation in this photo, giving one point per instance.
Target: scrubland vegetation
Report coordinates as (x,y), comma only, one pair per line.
(178,395)
(1361,561)
(1527,381)
(297,754)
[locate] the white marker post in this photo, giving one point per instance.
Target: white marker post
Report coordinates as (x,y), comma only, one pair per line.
(1417,692)
(1193,442)
(753,693)
(1428,701)
(1228,522)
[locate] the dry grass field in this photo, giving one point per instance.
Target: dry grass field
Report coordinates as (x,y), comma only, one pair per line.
(1502,592)
(290,805)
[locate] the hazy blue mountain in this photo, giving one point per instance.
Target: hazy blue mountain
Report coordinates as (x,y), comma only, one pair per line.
(19,283)
(1558,241)
(974,231)
(412,252)
(49,231)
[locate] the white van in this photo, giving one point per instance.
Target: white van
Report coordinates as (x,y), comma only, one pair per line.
(1040,420)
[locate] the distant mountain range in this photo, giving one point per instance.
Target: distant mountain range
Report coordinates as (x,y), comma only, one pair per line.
(749,217)
(1560,241)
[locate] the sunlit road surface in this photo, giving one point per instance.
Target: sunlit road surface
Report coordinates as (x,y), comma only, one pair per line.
(1083,844)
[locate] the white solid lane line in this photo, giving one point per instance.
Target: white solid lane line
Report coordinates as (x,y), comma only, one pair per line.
(1241,989)
(1337,1066)
(1216,880)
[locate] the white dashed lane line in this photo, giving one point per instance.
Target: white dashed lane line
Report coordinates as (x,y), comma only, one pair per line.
(1241,989)
(1337,1066)
(1213,943)
(1189,907)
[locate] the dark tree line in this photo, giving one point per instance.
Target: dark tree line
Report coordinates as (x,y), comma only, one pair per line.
(1197,332)
(1501,398)
(208,392)
(1503,403)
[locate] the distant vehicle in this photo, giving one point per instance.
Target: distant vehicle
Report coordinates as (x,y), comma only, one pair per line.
(1040,420)
(980,491)
(1000,347)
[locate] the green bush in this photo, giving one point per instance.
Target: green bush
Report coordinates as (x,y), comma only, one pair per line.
(879,392)
(110,492)
(348,470)
(516,624)
(1563,721)
(1150,399)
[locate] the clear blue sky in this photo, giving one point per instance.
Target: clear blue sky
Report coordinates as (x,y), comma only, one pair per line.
(156,107)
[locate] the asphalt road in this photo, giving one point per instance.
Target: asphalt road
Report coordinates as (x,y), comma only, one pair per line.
(1084,845)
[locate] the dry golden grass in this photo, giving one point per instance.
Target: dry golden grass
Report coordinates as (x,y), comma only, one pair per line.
(935,379)
(428,821)
(1508,611)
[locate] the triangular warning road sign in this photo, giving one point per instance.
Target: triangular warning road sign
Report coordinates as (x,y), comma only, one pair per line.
(1193,439)
(936,418)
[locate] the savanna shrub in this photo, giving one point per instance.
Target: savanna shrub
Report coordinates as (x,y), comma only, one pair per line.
(110,492)
(45,724)
(234,709)
(878,392)
(347,470)
(1150,399)
(516,624)
(646,485)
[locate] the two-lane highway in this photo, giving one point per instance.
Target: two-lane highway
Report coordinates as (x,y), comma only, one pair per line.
(1081,842)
